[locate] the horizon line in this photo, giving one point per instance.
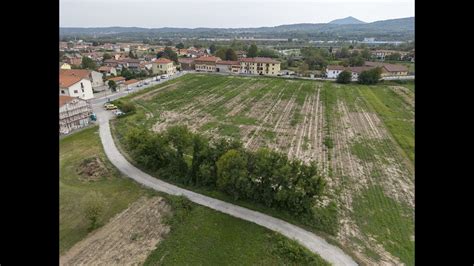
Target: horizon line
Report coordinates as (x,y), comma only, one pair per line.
(115,26)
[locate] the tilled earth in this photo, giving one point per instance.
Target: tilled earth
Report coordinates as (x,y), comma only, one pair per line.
(127,239)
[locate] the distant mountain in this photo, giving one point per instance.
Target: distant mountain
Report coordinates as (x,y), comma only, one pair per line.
(348,20)
(393,29)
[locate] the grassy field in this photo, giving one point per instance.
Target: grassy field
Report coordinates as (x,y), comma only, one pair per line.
(387,220)
(201,236)
(114,191)
(198,235)
(360,136)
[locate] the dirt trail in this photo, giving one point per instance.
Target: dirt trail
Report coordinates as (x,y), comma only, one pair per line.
(127,239)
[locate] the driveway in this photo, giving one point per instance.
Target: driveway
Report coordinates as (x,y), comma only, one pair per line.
(313,242)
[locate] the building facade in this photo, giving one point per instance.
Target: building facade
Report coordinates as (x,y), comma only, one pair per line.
(163,66)
(259,66)
(332,71)
(107,70)
(75,86)
(74,113)
(186,63)
(228,66)
(206,63)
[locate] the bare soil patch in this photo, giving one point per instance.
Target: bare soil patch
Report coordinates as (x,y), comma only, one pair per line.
(127,239)
(92,169)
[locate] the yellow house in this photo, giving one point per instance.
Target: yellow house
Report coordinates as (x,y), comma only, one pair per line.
(259,66)
(64,66)
(163,66)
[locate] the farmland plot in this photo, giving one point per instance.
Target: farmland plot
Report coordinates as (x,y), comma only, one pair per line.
(361,138)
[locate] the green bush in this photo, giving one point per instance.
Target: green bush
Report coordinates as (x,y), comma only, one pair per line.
(127,107)
(264,176)
(294,253)
(370,77)
(344,77)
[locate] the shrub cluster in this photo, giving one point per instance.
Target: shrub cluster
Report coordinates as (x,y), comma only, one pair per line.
(263,176)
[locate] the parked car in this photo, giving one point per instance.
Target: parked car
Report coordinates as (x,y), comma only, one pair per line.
(139,85)
(111,107)
(146,82)
(119,113)
(130,88)
(164,76)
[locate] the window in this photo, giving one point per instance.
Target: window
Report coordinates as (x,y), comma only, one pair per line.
(62,91)
(82,85)
(82,90)
(75,91)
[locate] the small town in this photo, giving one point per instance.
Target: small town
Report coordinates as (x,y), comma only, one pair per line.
(90,70)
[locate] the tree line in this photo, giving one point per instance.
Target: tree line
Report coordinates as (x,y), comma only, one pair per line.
(263,176)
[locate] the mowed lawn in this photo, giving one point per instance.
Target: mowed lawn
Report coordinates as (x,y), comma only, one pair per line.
(200,237)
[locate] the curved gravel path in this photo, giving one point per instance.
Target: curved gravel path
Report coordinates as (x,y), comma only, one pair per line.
(316,244)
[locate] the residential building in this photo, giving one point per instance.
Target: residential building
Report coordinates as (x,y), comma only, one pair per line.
(355,71)
(381,54)
(241,54)
(206,63)
(228,66)
(117,64)
(118,80)
(146,66)
(389,69)
(74,113)
(74,61)
(64,66)
(332,71)
(75,86)
(259,66)
(94,76)
(186,63)
(130,83)
(163,66)
(183,52)
(107,70)
(132,64)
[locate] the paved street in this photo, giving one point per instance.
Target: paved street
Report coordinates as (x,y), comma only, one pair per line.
(101,98)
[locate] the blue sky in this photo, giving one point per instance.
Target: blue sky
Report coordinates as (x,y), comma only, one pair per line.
(224,13)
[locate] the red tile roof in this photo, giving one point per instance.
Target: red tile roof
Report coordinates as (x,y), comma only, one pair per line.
(131,81)
(117,79)
(186,60)
(207,59)
(162,60)
(265,60)
(388,67)
(64,99)
(359,69)
(68,81)
(82,73)
(104,68)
